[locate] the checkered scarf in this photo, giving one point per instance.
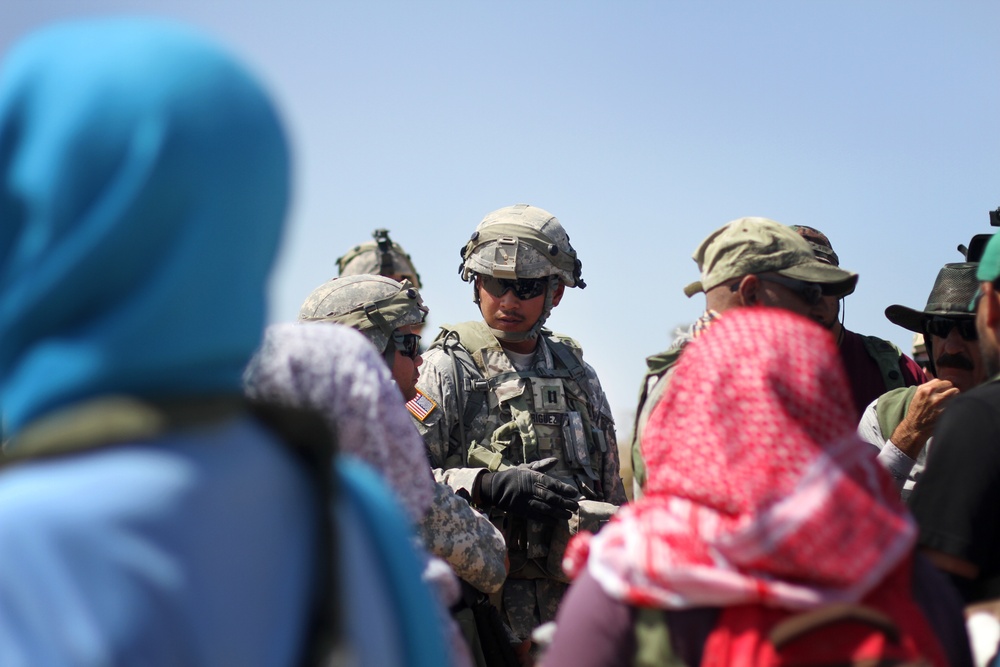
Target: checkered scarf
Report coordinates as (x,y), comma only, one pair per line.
(759,491)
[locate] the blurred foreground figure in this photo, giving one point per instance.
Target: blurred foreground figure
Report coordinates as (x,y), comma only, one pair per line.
(146,516)
(761,503)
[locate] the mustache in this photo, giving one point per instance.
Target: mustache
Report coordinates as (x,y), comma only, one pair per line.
(959,361)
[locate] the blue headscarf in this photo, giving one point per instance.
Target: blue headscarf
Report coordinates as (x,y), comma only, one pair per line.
(143,185)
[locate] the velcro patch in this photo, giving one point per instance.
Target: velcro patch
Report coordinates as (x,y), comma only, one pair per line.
(548,419)
(420,406)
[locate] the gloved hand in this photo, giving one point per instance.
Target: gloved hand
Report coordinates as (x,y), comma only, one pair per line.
(528,492)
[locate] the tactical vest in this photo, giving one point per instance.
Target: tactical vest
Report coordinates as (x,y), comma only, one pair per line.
(533,414)
(886,355)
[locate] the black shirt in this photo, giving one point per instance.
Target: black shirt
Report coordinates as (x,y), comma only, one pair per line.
(957,501)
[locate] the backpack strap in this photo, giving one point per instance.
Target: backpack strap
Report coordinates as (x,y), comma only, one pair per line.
(799,625)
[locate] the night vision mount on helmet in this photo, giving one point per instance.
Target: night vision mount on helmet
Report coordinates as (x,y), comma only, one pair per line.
(522,241)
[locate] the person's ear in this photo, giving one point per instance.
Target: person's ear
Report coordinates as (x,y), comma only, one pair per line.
(557,295)
(749,290)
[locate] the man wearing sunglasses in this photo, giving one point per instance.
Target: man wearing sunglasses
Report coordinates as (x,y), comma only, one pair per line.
(901,421)
(748,262)
(512,416)
(874,366)
(956,501)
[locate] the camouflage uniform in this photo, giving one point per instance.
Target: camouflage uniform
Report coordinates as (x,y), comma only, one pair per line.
(451,529)
(477,411)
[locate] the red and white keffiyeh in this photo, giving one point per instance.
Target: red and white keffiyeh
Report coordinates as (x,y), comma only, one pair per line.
(759,491)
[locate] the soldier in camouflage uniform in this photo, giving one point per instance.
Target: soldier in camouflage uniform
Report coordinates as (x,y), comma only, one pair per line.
(384,311)
(512,416)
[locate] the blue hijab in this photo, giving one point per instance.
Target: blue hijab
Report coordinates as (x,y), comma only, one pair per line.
(143,185)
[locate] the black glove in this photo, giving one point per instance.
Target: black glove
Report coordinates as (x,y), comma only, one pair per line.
(526,491)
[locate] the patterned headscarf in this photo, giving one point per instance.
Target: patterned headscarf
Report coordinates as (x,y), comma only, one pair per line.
(334,370)
(759,490)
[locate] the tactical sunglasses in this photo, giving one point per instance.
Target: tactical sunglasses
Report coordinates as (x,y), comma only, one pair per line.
(811,293)
(524,288)
(407,344)
(940,326)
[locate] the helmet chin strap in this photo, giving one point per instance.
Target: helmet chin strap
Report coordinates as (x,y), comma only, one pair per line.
(517,337)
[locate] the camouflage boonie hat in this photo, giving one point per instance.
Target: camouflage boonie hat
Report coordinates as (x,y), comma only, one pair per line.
(521,241)
(382,257)
(374,305)
(760,245)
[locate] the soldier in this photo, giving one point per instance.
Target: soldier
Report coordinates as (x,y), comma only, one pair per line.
(381,257)
(512,416)
(385,311)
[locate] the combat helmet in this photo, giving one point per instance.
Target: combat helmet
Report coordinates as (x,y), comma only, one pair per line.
(374,305)
(522,241)
(382,257)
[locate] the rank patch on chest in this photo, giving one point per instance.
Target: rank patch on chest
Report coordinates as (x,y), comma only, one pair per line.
(420,406)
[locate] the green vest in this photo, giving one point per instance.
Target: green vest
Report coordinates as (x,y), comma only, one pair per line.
(886,355)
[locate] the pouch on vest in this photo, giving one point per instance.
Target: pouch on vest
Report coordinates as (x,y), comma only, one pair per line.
(591,516)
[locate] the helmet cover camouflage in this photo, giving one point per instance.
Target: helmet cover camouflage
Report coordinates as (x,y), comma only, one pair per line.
(374,305)
(521,241)
(382,257)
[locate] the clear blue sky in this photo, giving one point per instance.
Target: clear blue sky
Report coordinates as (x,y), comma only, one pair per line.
(642,125)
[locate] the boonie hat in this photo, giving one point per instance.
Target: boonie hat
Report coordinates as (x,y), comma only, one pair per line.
(953,289)
(760,245)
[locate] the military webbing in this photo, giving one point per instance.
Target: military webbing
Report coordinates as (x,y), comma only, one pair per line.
(471,339)
(123,420)
(887,356)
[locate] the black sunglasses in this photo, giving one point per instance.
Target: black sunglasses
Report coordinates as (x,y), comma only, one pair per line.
(941,326)
(524,288)
(407,344)
(811,293)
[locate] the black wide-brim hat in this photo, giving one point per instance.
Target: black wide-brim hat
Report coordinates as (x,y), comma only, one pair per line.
(954,288)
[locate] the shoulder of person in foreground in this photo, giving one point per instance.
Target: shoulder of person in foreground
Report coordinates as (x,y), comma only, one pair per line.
(112,542)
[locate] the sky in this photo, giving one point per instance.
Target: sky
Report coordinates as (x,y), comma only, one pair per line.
(643,126)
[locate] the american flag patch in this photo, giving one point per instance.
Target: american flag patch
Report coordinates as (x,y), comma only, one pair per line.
(420,406)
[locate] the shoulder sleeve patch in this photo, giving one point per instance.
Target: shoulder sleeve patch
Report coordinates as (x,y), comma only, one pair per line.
(420,406)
